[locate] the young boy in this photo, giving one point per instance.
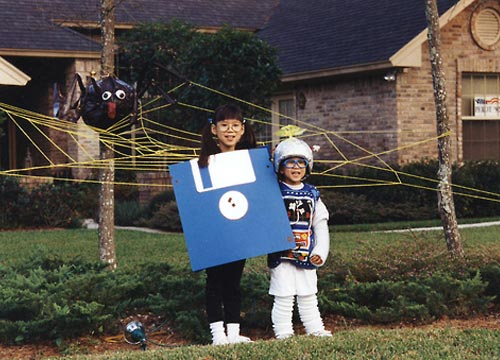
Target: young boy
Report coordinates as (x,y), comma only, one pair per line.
(293,273)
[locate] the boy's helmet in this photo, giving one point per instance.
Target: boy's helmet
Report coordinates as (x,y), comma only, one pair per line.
(292,147)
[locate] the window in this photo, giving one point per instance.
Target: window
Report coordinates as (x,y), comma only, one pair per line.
(285,107)
(287,110)
(481,116)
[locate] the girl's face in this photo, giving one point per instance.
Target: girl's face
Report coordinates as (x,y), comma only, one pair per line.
(229,133)
(293,170)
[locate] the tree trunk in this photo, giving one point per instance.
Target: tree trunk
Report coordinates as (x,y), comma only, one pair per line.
(446,204)
(107,251)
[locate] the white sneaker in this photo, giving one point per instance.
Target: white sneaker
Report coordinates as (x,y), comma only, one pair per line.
(220,341)
(284,336)
(218,333)
(239,339)
(321,333)
(233,334)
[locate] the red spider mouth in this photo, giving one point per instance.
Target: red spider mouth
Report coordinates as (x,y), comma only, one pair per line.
(111,110)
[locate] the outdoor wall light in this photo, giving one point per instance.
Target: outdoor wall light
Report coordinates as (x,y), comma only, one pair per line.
(390,76)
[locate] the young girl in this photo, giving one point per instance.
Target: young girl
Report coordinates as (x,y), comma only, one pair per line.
(228,131)
(293,273)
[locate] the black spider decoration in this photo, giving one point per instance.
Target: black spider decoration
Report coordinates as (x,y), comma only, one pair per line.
(102,103)
(106,101)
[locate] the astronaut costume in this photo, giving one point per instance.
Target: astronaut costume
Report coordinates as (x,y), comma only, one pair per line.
(292,273)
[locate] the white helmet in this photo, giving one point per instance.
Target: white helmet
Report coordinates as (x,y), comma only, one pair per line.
(292,147)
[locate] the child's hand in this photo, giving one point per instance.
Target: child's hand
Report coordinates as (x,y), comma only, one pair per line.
(316,260)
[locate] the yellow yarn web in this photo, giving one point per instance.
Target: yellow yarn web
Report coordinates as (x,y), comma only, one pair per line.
(152,145)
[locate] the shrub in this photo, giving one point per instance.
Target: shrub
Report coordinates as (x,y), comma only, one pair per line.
(51,205)
(41,300)
(177,297)
(157,201)
(490,275)
(161,213)
(414,198)
(418,300)
(60,204)
(127,212)
(166,218)
(14,202)
(399,260)
(123,191)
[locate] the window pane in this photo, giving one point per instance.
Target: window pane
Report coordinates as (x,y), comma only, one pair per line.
(467,98)
(491,86)
(286,107)
(481,139)
(478,85)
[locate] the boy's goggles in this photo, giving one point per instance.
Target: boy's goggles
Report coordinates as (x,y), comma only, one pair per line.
(291,163)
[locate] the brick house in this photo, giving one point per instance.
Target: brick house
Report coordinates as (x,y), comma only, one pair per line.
(50,41)
(362,69)
(359,69)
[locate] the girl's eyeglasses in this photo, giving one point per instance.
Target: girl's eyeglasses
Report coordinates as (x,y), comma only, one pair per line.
(236,127)
(291,163)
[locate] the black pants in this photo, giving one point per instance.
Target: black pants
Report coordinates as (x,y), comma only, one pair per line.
(223,292)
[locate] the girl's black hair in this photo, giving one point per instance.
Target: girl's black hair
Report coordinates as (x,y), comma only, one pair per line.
(209,145)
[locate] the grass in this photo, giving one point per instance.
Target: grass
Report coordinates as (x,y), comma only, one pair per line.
(355,344)
(135,248)
(132,247)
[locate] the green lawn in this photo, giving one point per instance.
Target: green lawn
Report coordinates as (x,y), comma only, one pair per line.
(132,247)
(355,344)
(135,248)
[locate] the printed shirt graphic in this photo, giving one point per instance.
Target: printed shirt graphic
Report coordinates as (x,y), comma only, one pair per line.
(300,205)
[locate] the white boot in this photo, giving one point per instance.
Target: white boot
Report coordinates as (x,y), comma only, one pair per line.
(310,316)
(218,333)
(233,334)
(281,316)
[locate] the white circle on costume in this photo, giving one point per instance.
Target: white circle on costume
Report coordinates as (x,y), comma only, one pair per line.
(233,205)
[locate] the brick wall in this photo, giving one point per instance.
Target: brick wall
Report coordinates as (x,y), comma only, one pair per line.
(416,115)
(355,118)
(32,182)
(152,184)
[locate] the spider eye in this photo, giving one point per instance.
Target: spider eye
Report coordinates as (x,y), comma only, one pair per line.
(106,95)
(120,94)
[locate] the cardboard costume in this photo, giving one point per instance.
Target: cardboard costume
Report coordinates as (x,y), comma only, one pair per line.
(232,209)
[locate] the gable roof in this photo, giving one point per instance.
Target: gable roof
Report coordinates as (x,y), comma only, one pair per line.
(316,37)
(39,27)
(26,29)
(10,75)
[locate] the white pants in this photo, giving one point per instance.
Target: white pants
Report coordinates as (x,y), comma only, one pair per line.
(287,279)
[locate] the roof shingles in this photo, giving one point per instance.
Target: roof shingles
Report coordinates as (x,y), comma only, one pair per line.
(310,35)
(328,34)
